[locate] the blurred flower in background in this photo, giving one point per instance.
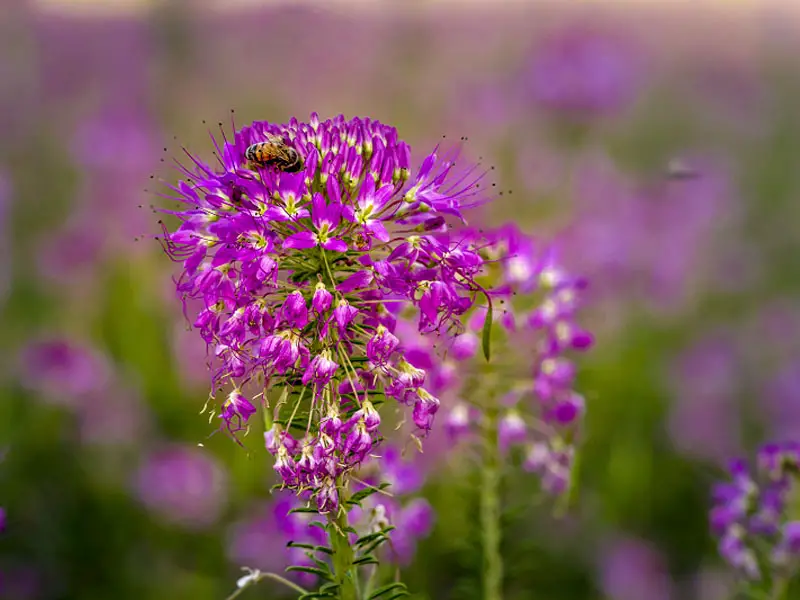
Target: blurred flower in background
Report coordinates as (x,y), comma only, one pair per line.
(582,72)
(704,421)
(633,570)
(184,486)
(63,371)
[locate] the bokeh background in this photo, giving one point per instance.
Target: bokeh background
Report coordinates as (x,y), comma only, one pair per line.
(657,142)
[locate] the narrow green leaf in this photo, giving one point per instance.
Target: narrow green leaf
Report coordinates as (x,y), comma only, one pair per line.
(366,560)
(385,589)
(312,570)
(370,538)
(378,541)
(399,595)
(319,524)
(331,586)
(299,545)
(303,509)
(321,564)
(324,550)
(314,595)
(370,548)
(374,536)
(486,334)
(361,495)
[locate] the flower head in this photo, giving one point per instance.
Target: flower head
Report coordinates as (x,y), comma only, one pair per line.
(750,513)
(299,278)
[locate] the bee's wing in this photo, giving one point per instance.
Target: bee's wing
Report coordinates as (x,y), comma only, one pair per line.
(274,139)
(678,169)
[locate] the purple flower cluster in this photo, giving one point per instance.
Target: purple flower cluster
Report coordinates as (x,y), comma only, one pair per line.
(751,517)
(535,304)
(300,277)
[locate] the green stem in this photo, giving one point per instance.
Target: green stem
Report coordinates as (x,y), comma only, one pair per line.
(780,589)
(343,569)
(490,508)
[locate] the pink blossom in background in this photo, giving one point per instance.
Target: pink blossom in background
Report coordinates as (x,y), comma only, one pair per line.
(95,147)
(653,244)
(583,72)
(704,418)
(685,216)
(632,569)
(182,485)
(72,253)
(79,56)
(63,371)
(256,542)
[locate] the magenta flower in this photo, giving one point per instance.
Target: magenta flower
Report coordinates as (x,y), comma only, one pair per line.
(381,346)
(750,514)
(322,300)
(236,411)
(371,203)
(295,311)
(326,219)
(321,370)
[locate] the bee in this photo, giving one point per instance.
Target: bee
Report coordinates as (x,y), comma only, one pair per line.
(679,170)
(276,153)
